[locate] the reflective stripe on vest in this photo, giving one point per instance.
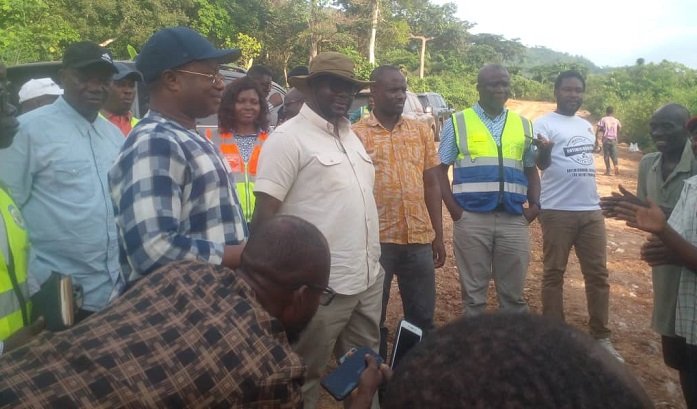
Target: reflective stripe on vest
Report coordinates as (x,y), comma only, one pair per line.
(12,316)
(244,172)
(486,175)
(484,187)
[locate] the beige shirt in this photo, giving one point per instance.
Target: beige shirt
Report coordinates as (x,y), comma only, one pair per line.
(327,181)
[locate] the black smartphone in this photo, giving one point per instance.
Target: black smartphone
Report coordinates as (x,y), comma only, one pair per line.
(344,379)
(408,335)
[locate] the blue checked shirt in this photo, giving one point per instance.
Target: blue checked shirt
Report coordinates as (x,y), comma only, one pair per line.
(174,198)
(448,149)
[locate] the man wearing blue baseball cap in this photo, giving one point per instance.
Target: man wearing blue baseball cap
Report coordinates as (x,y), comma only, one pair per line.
(172,190)
(56,171)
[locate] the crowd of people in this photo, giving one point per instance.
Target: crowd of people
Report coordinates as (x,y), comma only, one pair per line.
(229,269)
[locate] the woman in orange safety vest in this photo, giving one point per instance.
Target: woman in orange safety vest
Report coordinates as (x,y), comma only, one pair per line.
(243,128)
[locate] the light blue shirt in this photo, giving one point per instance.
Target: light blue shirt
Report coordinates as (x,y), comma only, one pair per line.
(448,150)
(56,171)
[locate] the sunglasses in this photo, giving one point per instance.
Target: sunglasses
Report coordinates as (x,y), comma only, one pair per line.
(338,85)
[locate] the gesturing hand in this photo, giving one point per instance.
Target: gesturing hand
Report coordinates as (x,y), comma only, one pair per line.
(655,253)
(650,219)
(609,203)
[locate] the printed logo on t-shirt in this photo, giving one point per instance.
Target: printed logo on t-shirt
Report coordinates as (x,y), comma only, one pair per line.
(580,150)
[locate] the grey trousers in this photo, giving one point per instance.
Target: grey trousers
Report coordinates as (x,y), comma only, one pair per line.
(585,231)
(349,321)
(487,246)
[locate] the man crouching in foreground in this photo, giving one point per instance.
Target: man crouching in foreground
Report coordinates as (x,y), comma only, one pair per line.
(191,335)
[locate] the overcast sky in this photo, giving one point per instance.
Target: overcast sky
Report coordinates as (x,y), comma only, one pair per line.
(608,32)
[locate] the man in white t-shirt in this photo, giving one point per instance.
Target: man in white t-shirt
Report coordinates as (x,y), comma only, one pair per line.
(608,132)
(571,214)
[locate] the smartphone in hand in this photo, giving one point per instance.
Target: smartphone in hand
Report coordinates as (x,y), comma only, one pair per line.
(344,379)
(408,335)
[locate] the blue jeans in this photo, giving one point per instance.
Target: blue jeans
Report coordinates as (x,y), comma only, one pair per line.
(413,266)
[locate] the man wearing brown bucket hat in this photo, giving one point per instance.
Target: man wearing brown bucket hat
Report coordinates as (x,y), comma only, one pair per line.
(316,168)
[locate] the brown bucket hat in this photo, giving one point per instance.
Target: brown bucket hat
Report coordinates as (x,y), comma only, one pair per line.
(328,64)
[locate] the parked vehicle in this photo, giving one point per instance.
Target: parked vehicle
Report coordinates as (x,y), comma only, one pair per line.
(435,105)
(412,109)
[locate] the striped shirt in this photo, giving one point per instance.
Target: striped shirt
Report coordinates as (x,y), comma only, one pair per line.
(174,198)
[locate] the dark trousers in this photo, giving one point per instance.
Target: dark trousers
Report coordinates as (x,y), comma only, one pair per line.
(609,152)
(413,266)
(679,355)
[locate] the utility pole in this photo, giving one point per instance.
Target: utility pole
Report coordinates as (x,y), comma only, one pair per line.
(423,39)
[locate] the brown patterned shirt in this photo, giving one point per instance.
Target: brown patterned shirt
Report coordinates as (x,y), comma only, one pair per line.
(400,158)
(188,335)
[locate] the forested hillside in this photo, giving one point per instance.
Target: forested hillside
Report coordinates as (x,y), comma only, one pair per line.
(287,33)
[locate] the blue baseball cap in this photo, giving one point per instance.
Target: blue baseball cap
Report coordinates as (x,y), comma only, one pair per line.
(175,46)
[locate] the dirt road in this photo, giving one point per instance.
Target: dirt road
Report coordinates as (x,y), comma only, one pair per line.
(630,299)
(630,281)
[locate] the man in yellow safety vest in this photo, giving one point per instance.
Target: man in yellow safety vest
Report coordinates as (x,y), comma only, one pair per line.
(494,174)
(15,307)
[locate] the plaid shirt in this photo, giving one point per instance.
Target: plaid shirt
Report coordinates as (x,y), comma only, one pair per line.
(174,197)
(684,220)
(189,335)
(400,157)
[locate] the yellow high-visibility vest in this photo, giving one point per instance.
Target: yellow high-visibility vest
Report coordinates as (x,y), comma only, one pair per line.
(15,307)
(486,175)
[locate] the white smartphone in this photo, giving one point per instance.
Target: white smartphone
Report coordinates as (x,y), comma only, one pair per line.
(408,335)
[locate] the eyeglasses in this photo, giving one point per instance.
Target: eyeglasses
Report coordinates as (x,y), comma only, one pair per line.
(326,296)
(217,77)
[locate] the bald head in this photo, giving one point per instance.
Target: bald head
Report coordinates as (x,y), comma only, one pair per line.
(489,70)
(288,250)
(674,111)
(667,129)
(494,87)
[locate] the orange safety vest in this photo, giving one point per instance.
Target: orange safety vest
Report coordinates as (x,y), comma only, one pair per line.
(244,172)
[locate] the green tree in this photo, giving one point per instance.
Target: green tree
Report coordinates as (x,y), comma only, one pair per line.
(248,45)
(122,22)
(30,31)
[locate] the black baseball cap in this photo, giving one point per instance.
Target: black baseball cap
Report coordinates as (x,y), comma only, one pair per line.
(85,53)
(126,71)
(175,46)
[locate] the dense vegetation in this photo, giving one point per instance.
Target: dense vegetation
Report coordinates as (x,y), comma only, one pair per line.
(286,33)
